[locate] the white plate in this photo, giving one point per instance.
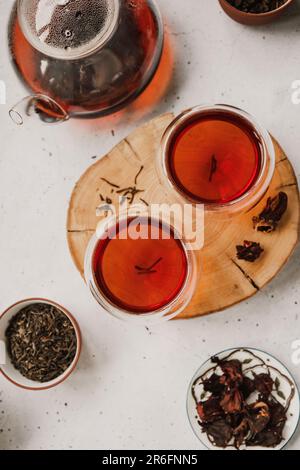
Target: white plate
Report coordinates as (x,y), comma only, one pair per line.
(241,354)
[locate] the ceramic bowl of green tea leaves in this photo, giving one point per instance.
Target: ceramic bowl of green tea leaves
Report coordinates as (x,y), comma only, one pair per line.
(255,12)
(40,344)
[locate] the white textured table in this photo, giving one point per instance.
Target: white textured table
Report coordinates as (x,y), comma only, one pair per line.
(129,390)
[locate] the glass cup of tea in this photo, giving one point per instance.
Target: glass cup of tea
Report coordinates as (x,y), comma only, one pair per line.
(218,156)
(139,268)
(83,58)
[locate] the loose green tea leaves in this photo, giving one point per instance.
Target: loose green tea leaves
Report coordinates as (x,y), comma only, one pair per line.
(249,251)
(238,402)
(41,342)
(257,6)
(269,218)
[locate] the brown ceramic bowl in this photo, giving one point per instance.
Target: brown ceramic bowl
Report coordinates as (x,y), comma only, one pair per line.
(8,370)
(253,18)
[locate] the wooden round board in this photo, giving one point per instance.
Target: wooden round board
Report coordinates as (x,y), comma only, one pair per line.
(224,280)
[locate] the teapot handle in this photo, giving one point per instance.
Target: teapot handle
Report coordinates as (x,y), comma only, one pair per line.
(41,106)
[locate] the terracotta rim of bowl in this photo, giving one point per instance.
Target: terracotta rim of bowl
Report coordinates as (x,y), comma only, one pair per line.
(245,14)
(78,337)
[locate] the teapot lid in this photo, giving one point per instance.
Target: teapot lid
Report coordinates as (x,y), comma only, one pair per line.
(68,29)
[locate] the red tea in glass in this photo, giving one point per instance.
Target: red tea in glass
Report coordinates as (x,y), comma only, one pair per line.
(217,156)
(140,275)
(91,57)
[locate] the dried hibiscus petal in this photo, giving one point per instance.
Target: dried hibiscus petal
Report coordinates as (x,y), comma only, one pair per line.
(219,432)
(263,384)
(271,436)
(232,370)
(247,387)
(271,215)
(278,416)
(266,438)
(241,432)
(213,385)
(232,401)
(260,417)
(210,409)
(249,251)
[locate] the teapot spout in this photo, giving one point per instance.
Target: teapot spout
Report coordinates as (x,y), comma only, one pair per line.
(43,107)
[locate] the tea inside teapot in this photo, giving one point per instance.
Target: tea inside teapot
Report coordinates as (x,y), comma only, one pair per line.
(91,58)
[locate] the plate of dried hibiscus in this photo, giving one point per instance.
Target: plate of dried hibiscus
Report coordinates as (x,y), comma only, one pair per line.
(243,399)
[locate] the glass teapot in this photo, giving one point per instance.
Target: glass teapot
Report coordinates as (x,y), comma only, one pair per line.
(83,58)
